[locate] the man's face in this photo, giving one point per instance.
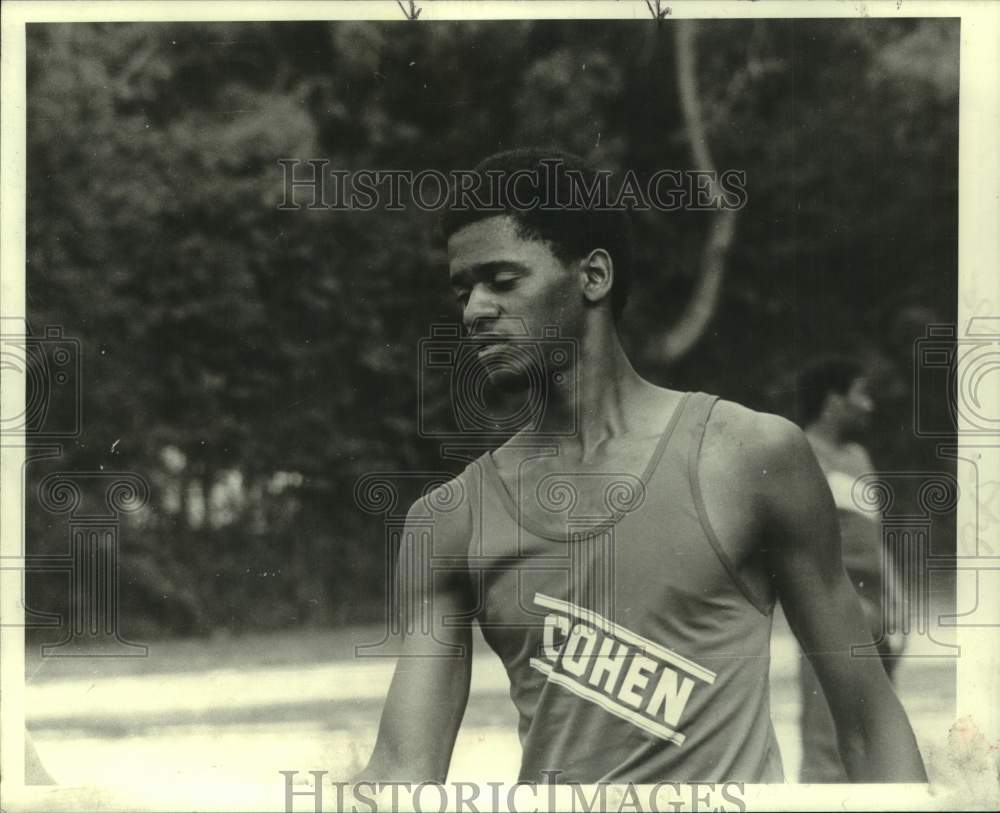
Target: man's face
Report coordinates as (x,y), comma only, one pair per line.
(510,287)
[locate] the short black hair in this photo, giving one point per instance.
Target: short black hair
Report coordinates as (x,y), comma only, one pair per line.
(831,374)
(571,231)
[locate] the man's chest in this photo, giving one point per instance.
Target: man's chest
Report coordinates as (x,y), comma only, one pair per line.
(549,487)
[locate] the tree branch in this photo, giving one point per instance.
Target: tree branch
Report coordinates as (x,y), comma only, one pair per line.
(678,340)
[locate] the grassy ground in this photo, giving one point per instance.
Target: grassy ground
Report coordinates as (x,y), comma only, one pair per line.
(241,709)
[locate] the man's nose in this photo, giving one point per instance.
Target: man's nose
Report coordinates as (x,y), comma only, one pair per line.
(479,308)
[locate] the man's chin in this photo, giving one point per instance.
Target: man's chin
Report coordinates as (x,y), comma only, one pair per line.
(506,378)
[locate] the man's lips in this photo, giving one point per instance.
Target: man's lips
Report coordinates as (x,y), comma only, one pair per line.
(488,343)
(488,349)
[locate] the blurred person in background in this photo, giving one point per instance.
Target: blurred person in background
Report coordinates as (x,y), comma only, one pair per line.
(835,410)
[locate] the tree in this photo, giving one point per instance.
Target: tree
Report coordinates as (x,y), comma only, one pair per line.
(281,347)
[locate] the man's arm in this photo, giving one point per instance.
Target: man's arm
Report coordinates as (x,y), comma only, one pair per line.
(875,739)
(890,569)
(430,687)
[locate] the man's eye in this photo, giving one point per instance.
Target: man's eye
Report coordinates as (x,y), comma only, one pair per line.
(504,283)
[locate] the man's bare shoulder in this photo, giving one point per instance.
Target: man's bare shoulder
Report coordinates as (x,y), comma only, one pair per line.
(749,436)
(758,455)
(757,462)
(446,512)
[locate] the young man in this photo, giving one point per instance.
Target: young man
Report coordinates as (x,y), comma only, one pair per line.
(835,409)
(623,555)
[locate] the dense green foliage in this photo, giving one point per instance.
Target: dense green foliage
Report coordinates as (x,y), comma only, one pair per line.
(255,341)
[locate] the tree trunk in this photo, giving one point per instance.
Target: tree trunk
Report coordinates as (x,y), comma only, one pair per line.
(678,340)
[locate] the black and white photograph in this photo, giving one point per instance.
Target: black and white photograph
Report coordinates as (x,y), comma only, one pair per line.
(421,405)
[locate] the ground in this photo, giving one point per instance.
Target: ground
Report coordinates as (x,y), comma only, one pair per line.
(238,710)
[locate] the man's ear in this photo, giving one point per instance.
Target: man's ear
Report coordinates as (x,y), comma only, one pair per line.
(598,275)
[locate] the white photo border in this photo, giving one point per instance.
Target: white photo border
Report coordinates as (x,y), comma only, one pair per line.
(978,667)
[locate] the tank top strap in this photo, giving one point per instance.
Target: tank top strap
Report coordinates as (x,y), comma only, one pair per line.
(699,408)
(472,481)
(679,445)
(689,430)
(677,476)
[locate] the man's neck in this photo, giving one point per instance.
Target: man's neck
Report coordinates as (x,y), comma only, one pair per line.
(826,431)
(604,394)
